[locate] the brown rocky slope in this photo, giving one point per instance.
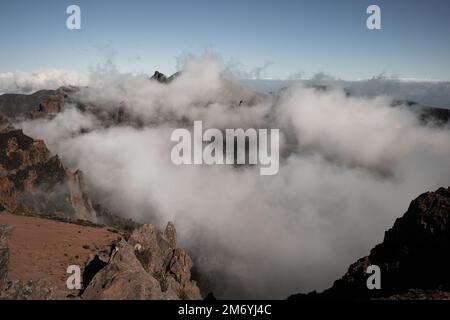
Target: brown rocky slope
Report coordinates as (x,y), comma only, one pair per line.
(35,253)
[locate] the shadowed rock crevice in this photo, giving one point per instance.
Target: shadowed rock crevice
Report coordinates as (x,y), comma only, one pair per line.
(91,269)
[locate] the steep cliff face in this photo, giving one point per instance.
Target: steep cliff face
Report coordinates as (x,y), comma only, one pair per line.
(35,182)
(114,264)
(413,259)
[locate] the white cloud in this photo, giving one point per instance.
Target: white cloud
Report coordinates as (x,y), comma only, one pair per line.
(350,166)
(29,82)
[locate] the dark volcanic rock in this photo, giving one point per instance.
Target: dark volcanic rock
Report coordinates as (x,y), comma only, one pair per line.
(413,255)
(426,115)
(16,289)
(435,116)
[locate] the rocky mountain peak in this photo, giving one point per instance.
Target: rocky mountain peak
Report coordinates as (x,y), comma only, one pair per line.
(160,77)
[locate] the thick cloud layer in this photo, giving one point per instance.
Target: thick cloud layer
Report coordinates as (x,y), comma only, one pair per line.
(427,93)
(349,167)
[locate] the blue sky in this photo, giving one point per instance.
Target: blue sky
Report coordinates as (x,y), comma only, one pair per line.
(313,36)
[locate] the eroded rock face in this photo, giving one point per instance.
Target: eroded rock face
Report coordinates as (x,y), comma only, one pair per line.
(79,200)
(35,182)
(162,78)
(158,254)
(123,278)
(148,266)
(145,243)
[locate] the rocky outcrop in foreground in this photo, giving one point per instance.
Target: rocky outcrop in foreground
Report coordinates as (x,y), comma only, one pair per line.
(413,258)
(34,182)
(144,265)
(147,266)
